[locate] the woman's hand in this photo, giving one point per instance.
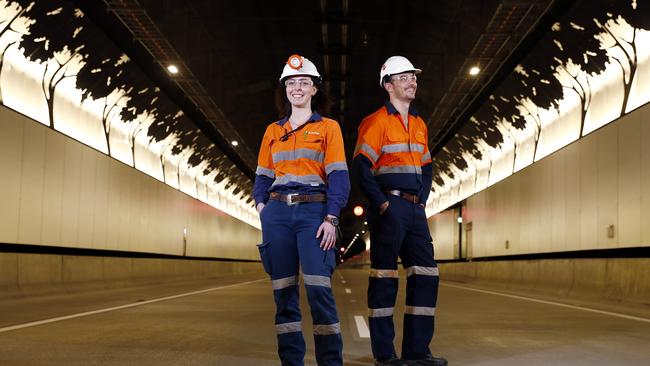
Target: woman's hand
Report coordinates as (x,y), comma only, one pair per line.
(260,207)
(329,235)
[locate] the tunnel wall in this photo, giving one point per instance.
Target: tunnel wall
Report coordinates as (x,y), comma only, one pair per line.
(56,191)
(29,274)
(592,194)
(620,282)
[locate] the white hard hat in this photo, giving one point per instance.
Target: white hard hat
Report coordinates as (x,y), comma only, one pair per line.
(297,66)
(396,65)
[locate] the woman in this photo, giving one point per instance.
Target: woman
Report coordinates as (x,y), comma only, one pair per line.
(300,187)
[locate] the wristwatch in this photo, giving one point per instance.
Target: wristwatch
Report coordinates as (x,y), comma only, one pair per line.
(332,220)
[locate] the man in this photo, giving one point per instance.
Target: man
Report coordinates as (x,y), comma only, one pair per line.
(393,165)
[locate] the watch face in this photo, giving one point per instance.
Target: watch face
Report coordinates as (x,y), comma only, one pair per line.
(334,221)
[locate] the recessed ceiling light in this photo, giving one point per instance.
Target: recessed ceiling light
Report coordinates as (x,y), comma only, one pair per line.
(474,70)
(234,143)
(172,69)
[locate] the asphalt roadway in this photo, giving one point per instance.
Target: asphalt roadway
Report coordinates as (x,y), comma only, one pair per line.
(229,321)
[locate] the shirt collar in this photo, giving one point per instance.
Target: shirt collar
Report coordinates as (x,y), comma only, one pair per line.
(392,110)
(315,117)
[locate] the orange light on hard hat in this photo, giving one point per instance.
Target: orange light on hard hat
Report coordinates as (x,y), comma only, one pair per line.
(358,210)
(295,62)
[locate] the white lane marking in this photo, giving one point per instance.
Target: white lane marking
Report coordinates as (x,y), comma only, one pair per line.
(362,328)
(631,317)
(348,291)
(93,312)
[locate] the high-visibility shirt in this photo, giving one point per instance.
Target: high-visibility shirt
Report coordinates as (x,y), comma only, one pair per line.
(308,161)
(392,156)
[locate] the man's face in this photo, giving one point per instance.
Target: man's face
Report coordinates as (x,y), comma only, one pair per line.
(403,86)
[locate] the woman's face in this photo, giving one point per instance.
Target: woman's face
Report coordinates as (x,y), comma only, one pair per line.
(299,90)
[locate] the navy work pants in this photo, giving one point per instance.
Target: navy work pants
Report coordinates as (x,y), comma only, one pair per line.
(289,241)
(402,231)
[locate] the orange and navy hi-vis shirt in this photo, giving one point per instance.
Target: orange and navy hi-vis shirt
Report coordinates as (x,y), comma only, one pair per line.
(392,156)
(308,160)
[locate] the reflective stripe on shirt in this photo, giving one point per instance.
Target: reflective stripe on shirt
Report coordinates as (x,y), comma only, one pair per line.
(336,166)
(398,169)
(304,179)
(298,154)
(368,150)
(265,171)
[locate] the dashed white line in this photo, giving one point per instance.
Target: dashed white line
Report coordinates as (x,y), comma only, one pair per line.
(362,327)
(348,291)
(93,312)
(646,320)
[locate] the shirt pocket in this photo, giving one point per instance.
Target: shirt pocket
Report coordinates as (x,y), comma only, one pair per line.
(316,145)
(419,142)
(313,138)
(395,136)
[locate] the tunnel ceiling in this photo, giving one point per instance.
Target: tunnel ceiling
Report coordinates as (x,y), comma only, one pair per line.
(234,52)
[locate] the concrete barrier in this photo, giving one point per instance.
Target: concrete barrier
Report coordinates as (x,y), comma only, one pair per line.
(23,274)
(621,282)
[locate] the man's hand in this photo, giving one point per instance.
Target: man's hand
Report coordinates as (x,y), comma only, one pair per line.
(383,207)
(329,235)
(260,207)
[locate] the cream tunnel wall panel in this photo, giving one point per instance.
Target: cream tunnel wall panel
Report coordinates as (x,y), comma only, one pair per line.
(58,192)
(591,194)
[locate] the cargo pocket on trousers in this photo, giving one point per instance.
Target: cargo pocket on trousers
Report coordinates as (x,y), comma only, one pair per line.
(387,228)
(384,242)
(265,256)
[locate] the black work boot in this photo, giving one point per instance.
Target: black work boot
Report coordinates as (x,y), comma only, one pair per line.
(429,360)
(393,361)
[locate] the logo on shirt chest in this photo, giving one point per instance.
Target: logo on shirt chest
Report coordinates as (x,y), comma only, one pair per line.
(307,133)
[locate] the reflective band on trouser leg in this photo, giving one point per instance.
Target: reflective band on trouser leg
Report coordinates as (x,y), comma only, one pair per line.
(285,282)
(328,341)
(282,253)
(420,270)
(311,280)
(288,328)
(327,329)
(382,292)
(420,310)
(291,344)
(383,273)
(419,313)
(379,313)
